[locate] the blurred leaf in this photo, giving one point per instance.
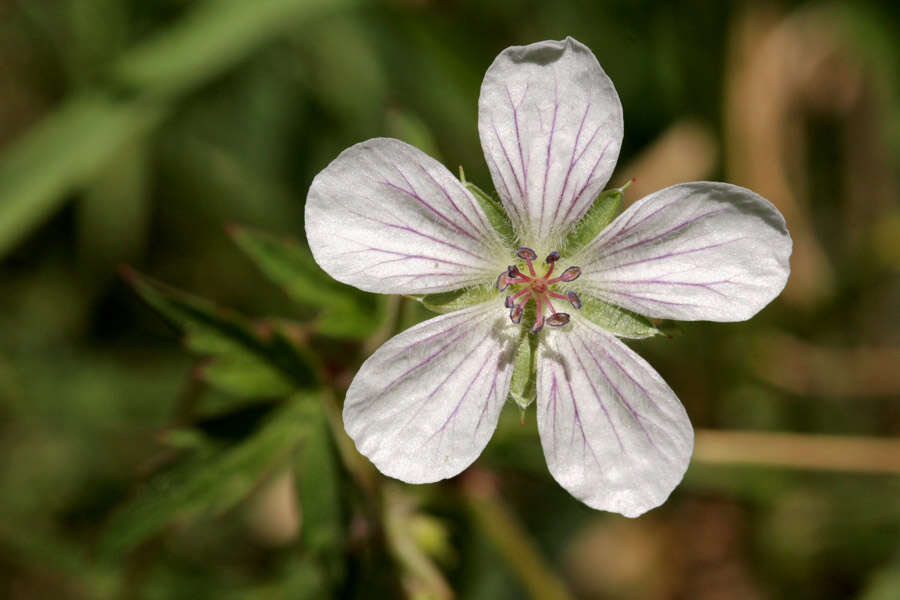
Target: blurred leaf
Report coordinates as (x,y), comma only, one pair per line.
(210,482)
(290,265)
(211,38)
(318,478)
(63,152)
(113,214)
(407,126)
(266,356)
(245,376)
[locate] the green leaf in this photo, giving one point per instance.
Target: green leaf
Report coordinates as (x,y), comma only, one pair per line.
(210,482)
(318,479)
(445,302)
(245,376)
(522,384)
(616,320)
(37,170)
(211,330)
(68,148)
(494,210)
(605,208)
(344,312)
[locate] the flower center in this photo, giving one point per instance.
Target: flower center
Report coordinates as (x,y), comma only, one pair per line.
(538,288)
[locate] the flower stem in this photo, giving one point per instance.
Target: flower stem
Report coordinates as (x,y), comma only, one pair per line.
(497,521)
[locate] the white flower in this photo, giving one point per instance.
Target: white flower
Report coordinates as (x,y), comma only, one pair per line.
(387,218)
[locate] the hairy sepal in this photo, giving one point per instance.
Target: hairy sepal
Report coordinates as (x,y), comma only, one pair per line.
(605,208)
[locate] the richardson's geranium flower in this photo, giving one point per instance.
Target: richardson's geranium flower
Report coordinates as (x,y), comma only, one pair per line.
(538,296)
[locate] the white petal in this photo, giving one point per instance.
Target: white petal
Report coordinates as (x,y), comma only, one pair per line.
(614,434)
(386,217)
(693,251)
(551,126)
(424,406)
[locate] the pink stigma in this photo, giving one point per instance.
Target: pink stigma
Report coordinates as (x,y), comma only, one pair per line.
(538,288)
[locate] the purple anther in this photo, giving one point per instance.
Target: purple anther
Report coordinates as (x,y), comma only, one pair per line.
(526,253)
(557,319)
(503,281)
(513,271)
(570,274)
(508,303)
(552,257)
(538,325)
(574,299)
(515,315)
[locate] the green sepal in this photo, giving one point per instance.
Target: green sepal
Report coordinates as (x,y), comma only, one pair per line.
(493,209)
(445,302)
(522,384)
(617,320)
(605,208)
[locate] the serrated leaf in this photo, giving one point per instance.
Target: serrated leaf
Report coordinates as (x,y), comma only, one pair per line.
(605,208)
(616,320)
(213,331)
(445,302)
(343,311)
(210,481)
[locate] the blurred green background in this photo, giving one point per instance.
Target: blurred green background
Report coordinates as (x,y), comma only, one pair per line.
(174,136)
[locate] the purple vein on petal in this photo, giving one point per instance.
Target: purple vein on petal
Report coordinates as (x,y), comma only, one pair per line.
(468,387)
(412,194)
(404,256)
(427,400)
(618,392)
(596,394)
(644,299)
(577,419)
(515,109)
(707,285)
(549,152)
(663,256)
(630,225)
(449,198)
(576,198)
(411,230)
(428,360)
(671,230)
(512,169)
(573,160)
(492,393)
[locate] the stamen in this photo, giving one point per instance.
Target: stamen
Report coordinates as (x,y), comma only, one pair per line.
(570,274)
(503,281)
(514,272)
(508,303)
(574,299)
(557,319)
(539,318)
(552,257)
(515,314)
(526,253)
